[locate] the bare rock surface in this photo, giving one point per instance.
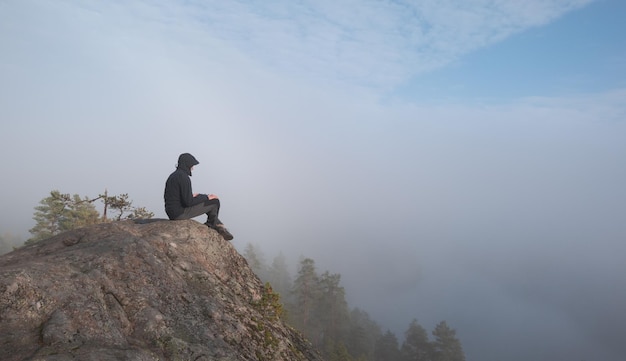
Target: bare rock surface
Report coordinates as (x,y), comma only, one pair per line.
(163,290)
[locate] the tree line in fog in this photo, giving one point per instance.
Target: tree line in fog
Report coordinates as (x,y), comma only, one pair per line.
(315,304)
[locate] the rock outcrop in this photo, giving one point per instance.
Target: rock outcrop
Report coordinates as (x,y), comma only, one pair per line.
(162,290)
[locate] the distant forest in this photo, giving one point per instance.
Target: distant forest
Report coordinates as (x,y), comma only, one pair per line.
(315,304)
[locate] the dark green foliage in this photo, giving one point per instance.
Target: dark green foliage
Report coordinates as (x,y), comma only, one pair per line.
(140,213)
(278,274)
(80,213)
(387,348)
(270,305)
(336,351)
(416,346)
(362,335)
(306,292)
(256,261)
(332,309)
(61,212)
(446,346)
(121,204)
(316,306)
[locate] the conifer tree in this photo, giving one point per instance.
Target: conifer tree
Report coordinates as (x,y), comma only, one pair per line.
(123,205)
(306,294)
(387,348)
(80,212)
(49,216)
(416,346)
(446,346)
(336,351)
(256,260)
(278,276)
(332,309)
(362,335)
(61,212)
(140,213)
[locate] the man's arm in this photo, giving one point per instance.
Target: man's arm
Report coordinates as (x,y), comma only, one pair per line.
(209,196)
(187,198)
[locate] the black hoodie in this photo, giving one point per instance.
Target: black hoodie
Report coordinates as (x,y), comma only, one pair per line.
(178,194)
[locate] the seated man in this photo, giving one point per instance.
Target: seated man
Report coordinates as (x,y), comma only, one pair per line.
(181,203)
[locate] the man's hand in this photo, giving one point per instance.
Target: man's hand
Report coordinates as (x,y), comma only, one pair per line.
(212,196)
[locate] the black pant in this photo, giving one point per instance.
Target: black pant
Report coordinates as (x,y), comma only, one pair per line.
(210,207)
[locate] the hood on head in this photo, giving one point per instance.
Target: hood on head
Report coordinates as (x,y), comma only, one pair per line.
(186,161)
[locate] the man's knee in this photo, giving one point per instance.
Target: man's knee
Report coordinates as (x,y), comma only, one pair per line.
(212,202)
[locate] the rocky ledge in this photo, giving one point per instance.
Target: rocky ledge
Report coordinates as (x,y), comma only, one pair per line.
(160,290)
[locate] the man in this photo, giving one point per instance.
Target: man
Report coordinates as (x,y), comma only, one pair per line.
(181,203)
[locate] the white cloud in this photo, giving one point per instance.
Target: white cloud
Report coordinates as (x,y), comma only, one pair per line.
(372,43)
(368,42)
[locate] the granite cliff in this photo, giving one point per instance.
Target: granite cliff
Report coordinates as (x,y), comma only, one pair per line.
(160,290)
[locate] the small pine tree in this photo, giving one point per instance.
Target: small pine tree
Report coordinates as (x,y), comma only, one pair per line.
(49,216)
(61,212)
(122,205)
(79,212)
(140,213)
(270,304)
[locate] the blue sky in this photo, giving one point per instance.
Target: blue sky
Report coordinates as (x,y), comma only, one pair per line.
(465,158)
(580,53)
